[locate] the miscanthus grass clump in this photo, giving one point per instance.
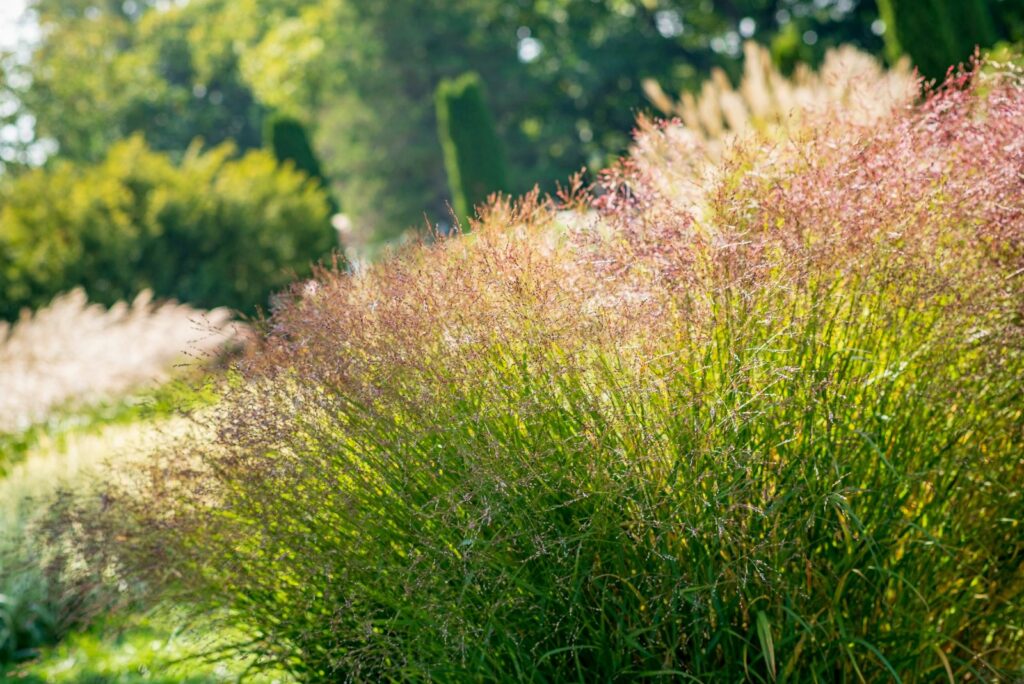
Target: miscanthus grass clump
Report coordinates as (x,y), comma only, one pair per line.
(769,102)
(76,352)
(767,431)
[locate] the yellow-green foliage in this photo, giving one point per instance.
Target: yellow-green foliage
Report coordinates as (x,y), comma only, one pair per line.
(212,230)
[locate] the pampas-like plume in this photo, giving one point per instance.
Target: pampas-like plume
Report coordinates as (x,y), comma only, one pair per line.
(766,100)
(73,351)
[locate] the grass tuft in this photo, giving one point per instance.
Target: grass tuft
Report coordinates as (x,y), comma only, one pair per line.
(768,431)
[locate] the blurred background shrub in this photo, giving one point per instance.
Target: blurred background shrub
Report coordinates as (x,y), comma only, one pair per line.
(212,230)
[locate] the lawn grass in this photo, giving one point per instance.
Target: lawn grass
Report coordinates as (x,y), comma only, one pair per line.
(154,649)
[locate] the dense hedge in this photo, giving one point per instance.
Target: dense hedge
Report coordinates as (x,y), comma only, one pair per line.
(212,231)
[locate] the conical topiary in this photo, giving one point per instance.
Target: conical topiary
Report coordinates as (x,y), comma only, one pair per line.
(473,154)
(936,34)
(287,138)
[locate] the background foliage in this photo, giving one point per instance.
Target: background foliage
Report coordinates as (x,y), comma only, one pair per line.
(564,77)
(212,230)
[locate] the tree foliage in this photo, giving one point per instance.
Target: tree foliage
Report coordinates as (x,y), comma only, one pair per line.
(566,77)
(360,76)
(100,73)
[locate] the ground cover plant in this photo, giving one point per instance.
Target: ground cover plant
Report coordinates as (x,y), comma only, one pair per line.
(756,421)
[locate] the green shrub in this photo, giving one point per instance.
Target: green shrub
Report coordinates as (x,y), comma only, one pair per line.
(775,438)
(212,231)
(473,155)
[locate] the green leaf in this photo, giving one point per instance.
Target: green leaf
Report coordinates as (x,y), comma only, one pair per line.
(764,635)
